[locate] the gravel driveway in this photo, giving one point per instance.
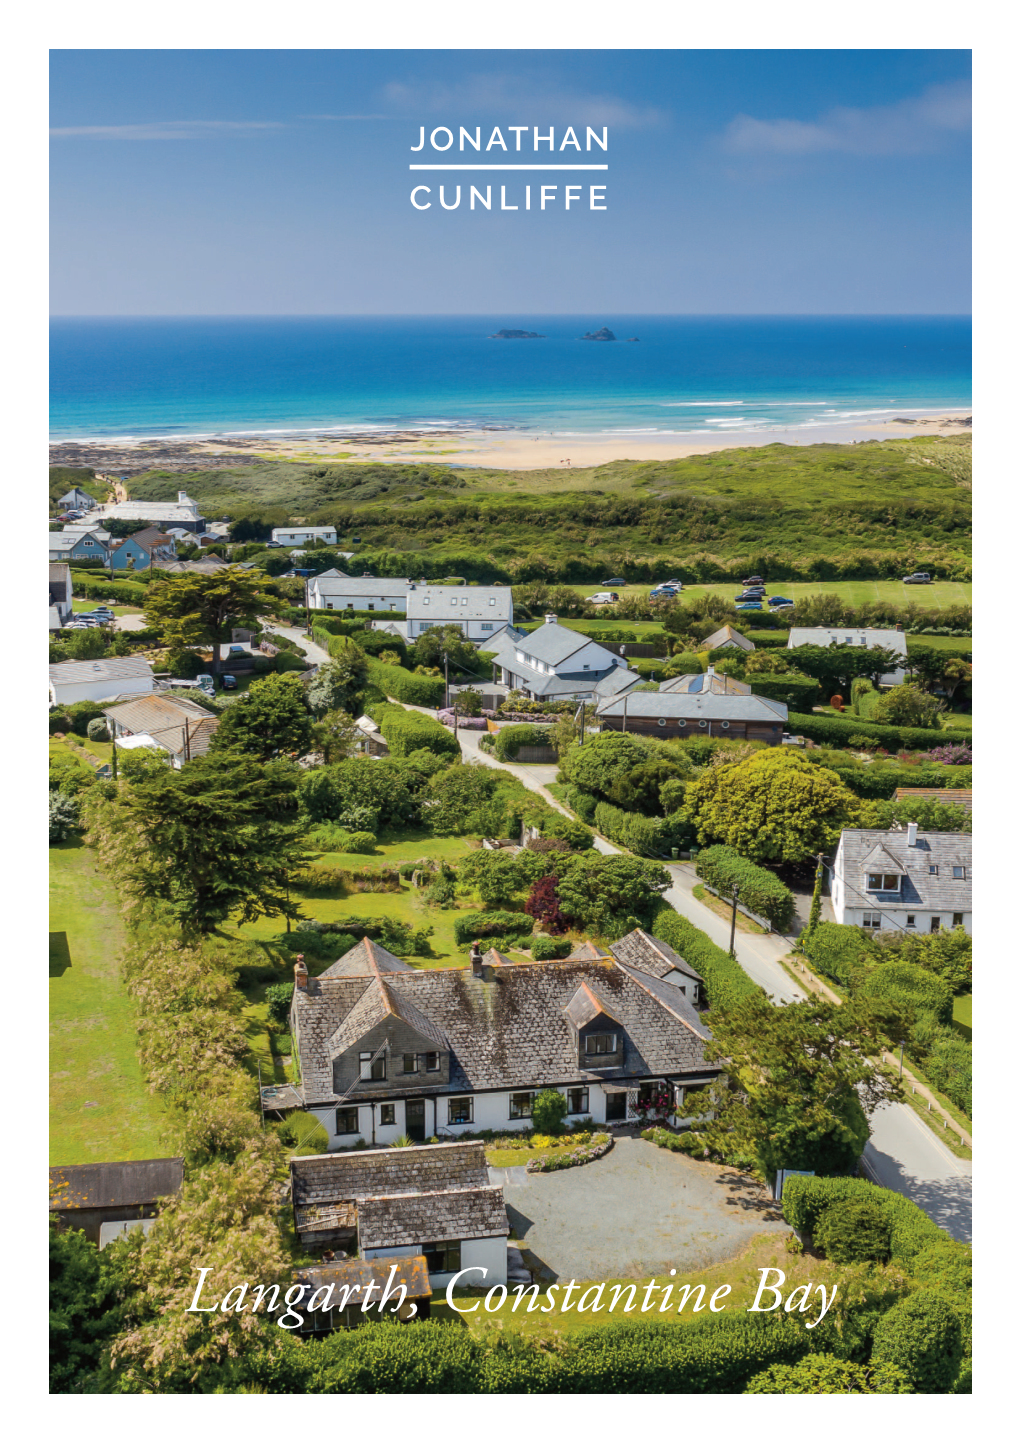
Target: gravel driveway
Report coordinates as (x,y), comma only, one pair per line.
(634,1213)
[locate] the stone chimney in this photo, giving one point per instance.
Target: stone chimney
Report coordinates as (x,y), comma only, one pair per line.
(476,960)
(911,833)
(550,619)
(301,973)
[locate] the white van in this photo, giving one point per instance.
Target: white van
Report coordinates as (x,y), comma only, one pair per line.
(603,598)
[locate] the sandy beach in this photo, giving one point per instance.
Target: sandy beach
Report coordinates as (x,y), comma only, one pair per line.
(494,449)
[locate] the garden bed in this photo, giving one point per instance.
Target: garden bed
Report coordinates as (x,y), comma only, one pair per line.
(545,1154)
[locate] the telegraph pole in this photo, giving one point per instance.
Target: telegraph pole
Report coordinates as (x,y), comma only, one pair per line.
(733,922)
(446,670)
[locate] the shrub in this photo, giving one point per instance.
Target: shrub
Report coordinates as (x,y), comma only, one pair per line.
(63,816)
(805,1198)
(853,1229)
(726,983)
(474,924)
(921,1335)
(405,686)
(645,835)
(548,1109)
(550,948)
(835,731)
(510,739)
(725,869)
(837,951)
(81,713)
(912,988)
(97,729)
(361,843)
(408,731)
(683,663)
(278,999)
(820,1372)
(795,691)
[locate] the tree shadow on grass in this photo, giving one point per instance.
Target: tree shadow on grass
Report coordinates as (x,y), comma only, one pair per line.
(60,953)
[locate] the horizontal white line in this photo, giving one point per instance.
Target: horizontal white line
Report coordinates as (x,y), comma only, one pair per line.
(508,167)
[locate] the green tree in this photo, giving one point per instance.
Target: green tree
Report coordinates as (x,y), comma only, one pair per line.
(930,815)
(773,806)
(822,1372)
(836,666)
(336,736)
(603,758)
(457,799)
(86,1307)
(195,610)
(547,1112)
(440,642)
(908,705)
(798,1086)
(766,663)
(269,718)
(214,838)
(609,894)
(340,684)
(922,1336)
(86,645)
(639,789)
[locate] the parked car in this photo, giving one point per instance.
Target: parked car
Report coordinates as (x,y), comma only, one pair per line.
(753,581)
(273,545)
(663,593)
(750,606)
(918,578)
(229,682)
(207,684)
(615,581)
(603,598)
(789,740)
(748,596)
(780,601)
(235,651)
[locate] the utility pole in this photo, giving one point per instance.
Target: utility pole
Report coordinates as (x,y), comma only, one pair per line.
(446,671)
(625,710)
(901,1060)
(733,922)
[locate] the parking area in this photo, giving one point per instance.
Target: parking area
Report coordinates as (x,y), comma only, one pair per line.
(636,1212)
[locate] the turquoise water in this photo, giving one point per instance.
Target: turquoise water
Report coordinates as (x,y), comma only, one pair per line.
(700,375)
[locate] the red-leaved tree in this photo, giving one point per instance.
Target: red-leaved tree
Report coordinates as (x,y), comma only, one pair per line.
(543,904)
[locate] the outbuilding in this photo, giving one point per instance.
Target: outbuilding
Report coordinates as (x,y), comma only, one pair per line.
(90,1197)
(100,680)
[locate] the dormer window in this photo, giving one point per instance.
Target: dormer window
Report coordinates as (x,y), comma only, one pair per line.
(600,1044)
(492,600)
(425,600)
(372,1069)
(882,882)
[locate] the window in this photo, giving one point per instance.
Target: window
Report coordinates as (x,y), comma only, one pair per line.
(350,605)
(372,1070)
(681,723)
(882,882)
(933,871)
(442,1256)
(936,923)
(957,918)
(492,600)
(346,1121)
(872,921)
(520,1105)
(371,605)
(911,920)
(959,873)
(577,1101)
(662,720)
(410,1063)
(329,605)
(387,1115)
(460,1110)
(600,1044)
(431,1061)
(849,640)
(424,600)
(486,625)
(726,725)
(702,723)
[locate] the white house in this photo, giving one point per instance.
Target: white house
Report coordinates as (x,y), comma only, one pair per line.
(181,514)
(892,639)
(479,611)
(72,681)
(385,1049)
(914,880)
(333,591)
(555,663)
(77,500)
(297,535)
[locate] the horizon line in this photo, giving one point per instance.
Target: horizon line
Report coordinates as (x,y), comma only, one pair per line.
(522,315)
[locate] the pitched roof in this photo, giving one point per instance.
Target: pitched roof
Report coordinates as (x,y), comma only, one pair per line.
(337,584)
(158,712)
(588,951)
(114,1184)
(682,705)
(553,644)
(964,797)
(705,685)
(585,1006)
(726,636)
(647,953)
(919,888)
(885,636)
(368,958)
(472,602)
(355,1274)
(112,668)
(391,1171)
(378,1002)
(448,1216)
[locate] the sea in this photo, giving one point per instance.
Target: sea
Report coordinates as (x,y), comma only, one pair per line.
(116,378)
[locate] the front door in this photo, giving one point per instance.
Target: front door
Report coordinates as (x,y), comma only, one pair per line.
(616,1106)
(414,1123)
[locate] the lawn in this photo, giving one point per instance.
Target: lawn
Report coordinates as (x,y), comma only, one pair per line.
(935,596)
(962,1018)
(82,603)
(100,1109)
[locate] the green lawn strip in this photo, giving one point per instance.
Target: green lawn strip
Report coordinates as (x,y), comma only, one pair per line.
(93,1054)
(741,1273)
(83,604)
(857,593)
(725,910)
(962,1014)
(913,1073)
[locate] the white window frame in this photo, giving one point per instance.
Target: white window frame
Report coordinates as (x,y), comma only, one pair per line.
(872,921)
(521,1115)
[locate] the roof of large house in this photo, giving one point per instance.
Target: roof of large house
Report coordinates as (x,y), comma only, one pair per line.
(151,537)
(889,851)
(111,668)
(463,603)
(368,958)
(647,953)
(61,541)
(888,637)
(508,1028)
(334,583)
(114,1184)
(726,636)
(680,705)
(186,510)
(204,567)
(964,798)
(448,1216)
(553,644)
(708,684)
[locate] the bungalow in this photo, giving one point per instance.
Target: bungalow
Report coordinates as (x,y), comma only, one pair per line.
(182,513)
(335,592)
(891,639)
(297,535)
(479,611)
(173,724)
(98,1194)
(346,1293)
(77,500)
(725,639)
(72,681)
(61,591)
(706,712)
(432,1202)
(907,879)
(554,663)
(385,1049)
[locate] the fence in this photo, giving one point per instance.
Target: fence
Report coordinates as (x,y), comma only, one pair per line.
(762,921)
(537,753)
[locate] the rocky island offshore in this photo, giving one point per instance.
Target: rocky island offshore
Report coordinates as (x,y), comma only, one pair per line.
(604,334)
(516,335)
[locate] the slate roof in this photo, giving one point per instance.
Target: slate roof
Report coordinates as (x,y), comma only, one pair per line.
(621,678)
(726,636)
(647,953)
(585,1006)
(588,951)
(114,1184)
(368,958)
(944,849)
(705,685)
(964,798)
(400,1221)
(389,1171)
(425,602)
(377,1002)
(677,705)
(553,644)
(356,1275)
(509,1031)
(112,668)
(149,714)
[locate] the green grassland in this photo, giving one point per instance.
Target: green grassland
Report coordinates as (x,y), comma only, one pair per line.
(100,1108)
(812,513)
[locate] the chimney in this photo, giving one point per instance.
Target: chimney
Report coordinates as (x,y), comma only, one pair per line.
(899,625)
(710,671)
(476,960)
(550,619)
(912,833)
(301,973)
(182,498)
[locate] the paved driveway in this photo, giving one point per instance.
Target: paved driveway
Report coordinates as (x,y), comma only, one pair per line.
(636,1212)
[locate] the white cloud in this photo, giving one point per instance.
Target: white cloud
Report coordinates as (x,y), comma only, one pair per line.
(909,127)
(518,98)
(171,129)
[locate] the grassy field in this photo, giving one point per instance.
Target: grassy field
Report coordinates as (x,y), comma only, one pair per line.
(962,1014)
(857,593)
(81,603)
(100,1109)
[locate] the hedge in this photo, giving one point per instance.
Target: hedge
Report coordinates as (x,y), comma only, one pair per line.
(793,690)
(833,731)
(406,686)
(761,891)
(128,593)
(836,951)
(645,835)
(550,948)
(879,783)
(911,987)
(474,924)
(923,1336)
(726,983)
(510,739)
(407,731)
(911,1231)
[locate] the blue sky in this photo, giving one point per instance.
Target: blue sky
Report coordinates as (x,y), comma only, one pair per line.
(276,182)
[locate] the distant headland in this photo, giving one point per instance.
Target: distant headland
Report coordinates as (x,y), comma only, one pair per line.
(516,335)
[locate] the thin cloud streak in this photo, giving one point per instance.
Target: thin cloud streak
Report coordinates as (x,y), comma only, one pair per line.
(514,97)
(348,117)
(913,126)
(171,130)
